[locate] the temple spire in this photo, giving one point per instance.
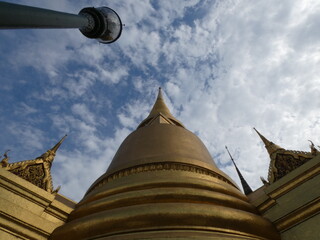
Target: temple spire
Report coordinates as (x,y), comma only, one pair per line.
(270,146)
(49,155)
(246,188)
(55,148)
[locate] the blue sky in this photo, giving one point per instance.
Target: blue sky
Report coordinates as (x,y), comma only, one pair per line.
(225,67)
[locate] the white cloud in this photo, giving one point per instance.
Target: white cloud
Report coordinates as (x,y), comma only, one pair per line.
(85,114)
(78,83)
(24,109)
(30,137)
(115,75)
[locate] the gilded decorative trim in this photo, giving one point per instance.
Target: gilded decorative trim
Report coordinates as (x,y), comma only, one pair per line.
(17,235)
(298,215)
(36,171)
(287,187)
(160,167)
(22,224)
(296,181)
(285,161)
(266,205)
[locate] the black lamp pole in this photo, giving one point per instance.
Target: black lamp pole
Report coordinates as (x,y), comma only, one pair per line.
(101,23)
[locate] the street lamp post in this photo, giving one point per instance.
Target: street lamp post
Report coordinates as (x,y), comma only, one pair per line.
(103,23)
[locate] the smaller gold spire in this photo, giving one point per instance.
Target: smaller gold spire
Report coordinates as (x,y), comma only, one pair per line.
(55,148)
(49,155)
(270,146)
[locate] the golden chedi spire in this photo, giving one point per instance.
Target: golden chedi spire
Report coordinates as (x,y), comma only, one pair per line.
(163,184)
(160,107)
(161,113)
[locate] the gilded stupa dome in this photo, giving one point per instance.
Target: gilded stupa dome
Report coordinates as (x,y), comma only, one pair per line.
(163,184)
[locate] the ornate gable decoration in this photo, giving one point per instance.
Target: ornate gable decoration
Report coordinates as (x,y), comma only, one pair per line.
(284,161)
(36,171)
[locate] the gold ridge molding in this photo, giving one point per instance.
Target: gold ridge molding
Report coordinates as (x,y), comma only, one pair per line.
(31,195)
(287,187)
(295,182)
(4,229)
(24,225)
(160,167)
(269,203)
(208,230)
(298,215)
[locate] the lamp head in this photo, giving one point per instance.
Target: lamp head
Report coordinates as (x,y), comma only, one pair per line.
(104,24)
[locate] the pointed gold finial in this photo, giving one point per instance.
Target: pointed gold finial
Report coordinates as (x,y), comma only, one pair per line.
(265,141)
(55,148)
(161,112)
(160,107)
(270,146)
(160,93)
(49,155)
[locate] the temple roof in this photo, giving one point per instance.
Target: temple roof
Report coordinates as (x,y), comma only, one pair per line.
(283,161)
(36,171)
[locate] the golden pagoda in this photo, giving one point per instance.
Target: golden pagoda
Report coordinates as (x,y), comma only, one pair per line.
(163,184)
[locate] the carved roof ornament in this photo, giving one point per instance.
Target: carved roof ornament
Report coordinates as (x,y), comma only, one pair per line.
(265,182)
(5,160)
(284,161)
(314,150)
(36,171)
